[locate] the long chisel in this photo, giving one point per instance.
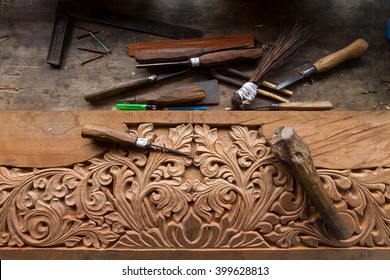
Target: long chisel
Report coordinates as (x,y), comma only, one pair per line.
(354,50)
(176,54)
(130,85)
(112,135)
(291,106)
(212,59)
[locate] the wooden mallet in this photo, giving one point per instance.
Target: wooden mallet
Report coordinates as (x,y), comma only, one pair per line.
(295,155)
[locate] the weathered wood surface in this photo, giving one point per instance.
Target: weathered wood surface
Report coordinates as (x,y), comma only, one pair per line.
(28,82)
(338,139)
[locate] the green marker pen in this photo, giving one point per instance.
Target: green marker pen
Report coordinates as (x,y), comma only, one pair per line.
(135,107)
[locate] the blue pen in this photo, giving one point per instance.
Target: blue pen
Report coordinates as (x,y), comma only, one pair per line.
(187,108)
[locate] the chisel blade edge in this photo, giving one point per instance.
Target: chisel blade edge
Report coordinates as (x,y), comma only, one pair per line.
(289,82)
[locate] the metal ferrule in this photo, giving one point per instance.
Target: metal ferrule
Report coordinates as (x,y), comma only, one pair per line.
(195,62)
(141,143)
(309,71)
(152,78)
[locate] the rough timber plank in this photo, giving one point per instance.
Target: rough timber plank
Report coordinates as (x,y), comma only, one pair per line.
(338,139)
(53,138)
(233,198)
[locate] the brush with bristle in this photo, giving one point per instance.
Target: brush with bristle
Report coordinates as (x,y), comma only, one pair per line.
(284,49)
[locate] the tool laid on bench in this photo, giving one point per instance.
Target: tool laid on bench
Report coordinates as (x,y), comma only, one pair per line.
(214,43)
(291,106)
(216,73)
(174,96)
(130,85)
(176,54)
(212,59)
(354,50)
(112,135)
(196,94)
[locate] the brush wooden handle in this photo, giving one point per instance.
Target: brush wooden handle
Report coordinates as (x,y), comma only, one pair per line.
(354,50)
(306,106)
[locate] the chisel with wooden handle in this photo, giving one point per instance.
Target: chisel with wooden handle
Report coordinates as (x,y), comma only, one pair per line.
(212,59)
(128,86)
(180,95)
(175,54)
(354,50)
(112,135)
(292,106)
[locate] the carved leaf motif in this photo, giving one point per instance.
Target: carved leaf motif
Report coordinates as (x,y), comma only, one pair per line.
(251,147)
(236,196)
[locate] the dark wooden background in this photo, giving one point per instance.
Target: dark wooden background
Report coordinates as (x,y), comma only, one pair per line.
(27,82)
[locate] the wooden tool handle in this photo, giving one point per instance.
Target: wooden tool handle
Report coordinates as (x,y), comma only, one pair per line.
(107,134)
(216,58)
(166,55)
(271,95)
(306,106)
(123,87)
(185,94)
(354,50)
(295,155)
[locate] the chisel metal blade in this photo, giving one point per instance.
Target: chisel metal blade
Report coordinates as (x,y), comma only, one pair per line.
(353,50)
(289,82)
(304,74)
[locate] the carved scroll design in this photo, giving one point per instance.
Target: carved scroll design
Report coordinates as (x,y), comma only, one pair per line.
(233,194)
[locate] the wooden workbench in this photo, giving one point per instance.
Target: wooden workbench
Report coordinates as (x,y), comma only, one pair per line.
(27,82)
(67,197)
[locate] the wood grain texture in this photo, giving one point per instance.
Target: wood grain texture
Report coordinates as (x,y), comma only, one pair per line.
(337,139)
(211,43)
(234,194)
(53,138)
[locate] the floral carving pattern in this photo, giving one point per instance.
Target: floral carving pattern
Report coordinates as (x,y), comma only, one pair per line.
(234,193)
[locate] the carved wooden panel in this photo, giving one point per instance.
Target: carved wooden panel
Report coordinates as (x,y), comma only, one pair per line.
(233,194)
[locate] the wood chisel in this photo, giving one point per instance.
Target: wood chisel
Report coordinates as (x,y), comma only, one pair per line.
(354,50)
(169,97)
(130,85)
(291,106)
(112,135)
(176,54)
(212,43)
(212,59)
